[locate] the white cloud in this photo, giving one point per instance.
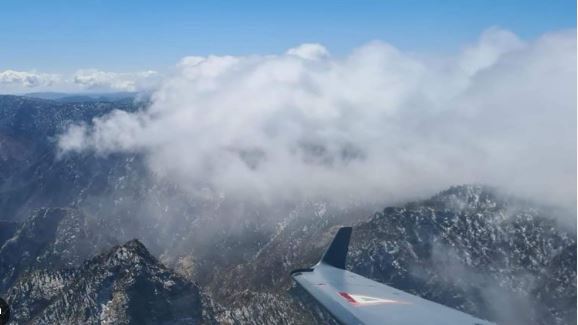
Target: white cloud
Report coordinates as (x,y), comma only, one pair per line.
(309,51)
(26,79)
(379,124)
(492,45)
(12,81)
(102,80)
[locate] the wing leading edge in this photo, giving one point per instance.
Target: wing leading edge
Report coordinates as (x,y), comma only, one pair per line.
(353,299)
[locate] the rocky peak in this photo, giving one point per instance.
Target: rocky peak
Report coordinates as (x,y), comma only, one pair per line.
(131,253)
(468,198)
(125,285)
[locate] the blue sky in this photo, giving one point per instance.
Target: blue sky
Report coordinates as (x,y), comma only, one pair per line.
(62,36)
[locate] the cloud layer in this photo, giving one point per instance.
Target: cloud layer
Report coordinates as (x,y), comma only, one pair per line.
(12,81)
(26,79)
(96,79)
(379,124)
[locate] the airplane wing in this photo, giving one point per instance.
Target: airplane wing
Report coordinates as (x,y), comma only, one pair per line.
(353,299)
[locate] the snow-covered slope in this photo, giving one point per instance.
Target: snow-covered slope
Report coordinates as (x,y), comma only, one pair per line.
(475,250)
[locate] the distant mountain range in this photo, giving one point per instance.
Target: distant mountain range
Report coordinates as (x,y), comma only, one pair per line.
(68,252)
(85,97)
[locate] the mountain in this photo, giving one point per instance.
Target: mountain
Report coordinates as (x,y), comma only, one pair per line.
(476,250)
(211,258)
(469,247)
(31,173)
(125,285)
(85,97)
(51,238)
